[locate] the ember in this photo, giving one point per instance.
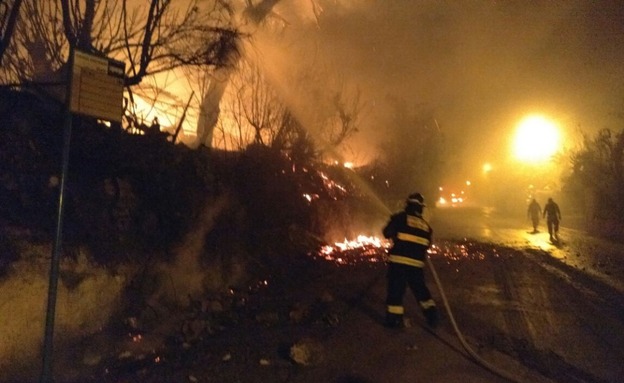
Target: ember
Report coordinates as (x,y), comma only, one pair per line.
(332,185)
(136,338)
(351,252)
(458,251)
(372,250)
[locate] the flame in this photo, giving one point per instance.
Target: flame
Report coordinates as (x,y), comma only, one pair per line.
(331,184)
(311,197)
(362,249)
(360,242)
(370,249)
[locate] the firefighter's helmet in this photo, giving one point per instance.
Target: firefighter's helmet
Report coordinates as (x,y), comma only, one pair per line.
(416,199)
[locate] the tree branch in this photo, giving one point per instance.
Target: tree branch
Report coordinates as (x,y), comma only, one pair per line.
(67,23)
(10,16)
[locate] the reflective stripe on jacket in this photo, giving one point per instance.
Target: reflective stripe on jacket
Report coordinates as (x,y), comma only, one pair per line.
(411,236)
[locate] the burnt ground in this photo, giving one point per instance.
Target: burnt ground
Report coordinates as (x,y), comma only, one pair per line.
(528,313)
(534,311)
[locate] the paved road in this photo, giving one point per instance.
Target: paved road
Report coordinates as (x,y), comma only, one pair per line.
(602,259)
(559,307)
(530,309)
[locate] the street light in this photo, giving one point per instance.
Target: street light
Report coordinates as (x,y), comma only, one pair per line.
(536,139)
(487,168)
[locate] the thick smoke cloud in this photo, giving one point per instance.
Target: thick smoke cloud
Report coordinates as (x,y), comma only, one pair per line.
(479,66)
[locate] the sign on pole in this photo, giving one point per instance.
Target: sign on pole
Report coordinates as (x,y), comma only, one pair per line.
(97,86)
(94,88)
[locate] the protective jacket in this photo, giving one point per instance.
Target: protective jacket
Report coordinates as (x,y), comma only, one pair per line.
(552,212)
(411,236)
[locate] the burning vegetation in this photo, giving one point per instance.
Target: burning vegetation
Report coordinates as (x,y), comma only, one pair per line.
(188,235)
(361,249)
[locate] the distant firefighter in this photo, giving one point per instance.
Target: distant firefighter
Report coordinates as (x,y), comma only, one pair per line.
(534,212)
(411,237)
(553,217)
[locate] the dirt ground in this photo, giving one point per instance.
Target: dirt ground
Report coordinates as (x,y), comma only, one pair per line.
(534,311)
(527,312)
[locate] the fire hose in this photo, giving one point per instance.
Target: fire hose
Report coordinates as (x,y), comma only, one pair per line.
(494,369)
(502,373)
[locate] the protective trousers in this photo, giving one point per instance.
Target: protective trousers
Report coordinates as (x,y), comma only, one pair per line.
(553,227)
(399,277)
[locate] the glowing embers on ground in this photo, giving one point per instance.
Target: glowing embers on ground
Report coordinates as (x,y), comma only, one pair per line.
(364,249)
(458,251)
(372,249)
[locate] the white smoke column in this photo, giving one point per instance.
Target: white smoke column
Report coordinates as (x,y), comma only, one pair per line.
(185,276)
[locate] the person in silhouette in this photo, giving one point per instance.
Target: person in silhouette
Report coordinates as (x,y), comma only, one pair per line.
(411,237)
(154,129)
(553,217)
(534,212)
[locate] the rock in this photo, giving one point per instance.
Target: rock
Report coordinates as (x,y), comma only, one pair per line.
(212,306)
(307,352)
(407,323)
(91,359)
(124,354)
(298,312)
(332,319)
(327,297)
(267,318)
(132,322)
(194,329)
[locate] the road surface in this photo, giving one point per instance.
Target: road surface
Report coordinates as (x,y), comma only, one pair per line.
(558,307)
(530,310)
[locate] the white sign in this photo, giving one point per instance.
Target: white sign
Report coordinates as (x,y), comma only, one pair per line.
(97,86)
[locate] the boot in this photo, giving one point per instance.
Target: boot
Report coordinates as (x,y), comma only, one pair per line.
(393,320)
(431,316)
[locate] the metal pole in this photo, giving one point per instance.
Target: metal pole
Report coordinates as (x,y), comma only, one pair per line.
(46,374)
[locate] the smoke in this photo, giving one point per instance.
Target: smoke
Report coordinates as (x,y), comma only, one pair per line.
(186,277)
(478,65)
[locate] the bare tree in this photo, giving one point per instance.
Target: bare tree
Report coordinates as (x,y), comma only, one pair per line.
(34,50)
(598,174)
(152,39)
(254,107)
(306,128)
(8,19)
(254,14)
(412,153)
(338,107)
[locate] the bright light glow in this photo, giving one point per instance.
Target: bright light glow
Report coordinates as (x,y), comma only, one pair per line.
(536,140)
(487,167)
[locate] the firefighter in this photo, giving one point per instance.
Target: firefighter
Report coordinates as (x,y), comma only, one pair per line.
(411,237)
(534,211)
(553,217)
